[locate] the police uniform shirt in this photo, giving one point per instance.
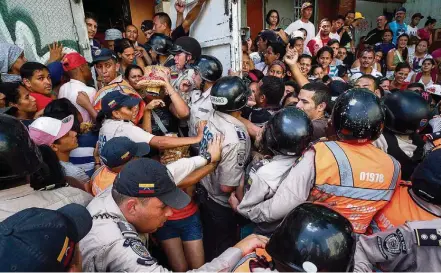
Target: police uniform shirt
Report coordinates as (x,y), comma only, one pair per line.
(235,153)
(406,146)
(413,247)
(121,128)
(22,197)
(200,109)
(264,179)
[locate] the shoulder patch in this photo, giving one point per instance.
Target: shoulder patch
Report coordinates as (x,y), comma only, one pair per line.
(138,247)
(240,133)
(428,237)
(127,230)
(241,158)
(394,243)
(259,165)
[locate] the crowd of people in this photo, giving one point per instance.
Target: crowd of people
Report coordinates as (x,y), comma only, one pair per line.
(321,154)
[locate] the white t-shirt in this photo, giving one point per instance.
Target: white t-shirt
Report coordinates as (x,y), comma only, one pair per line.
(412,31)
(356,73)
(310,28)
(121,128)
(334,36)
(70,91)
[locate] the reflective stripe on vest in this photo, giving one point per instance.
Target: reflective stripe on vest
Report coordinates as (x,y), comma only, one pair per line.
(344,167)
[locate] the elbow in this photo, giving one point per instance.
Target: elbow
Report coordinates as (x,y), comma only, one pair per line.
(185,114)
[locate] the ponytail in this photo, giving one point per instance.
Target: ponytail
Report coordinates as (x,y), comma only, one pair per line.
(100,118)
(429,21)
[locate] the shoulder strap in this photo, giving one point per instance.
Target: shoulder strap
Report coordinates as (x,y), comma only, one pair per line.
(159,123)
(418,76)
(344,166)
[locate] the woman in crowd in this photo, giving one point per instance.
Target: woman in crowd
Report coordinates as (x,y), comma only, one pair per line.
(402,70)
(325,55)
(133,75)
(126,54)
(421,53)
(277,69)
(397,55)
(378,60)
(273,20)
(317,72)
(291,99)
(16,95)
(425,33)
(426,77)
(305,64)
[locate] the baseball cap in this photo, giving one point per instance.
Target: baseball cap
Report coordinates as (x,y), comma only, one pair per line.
(56,70)
(403,9)
(72,61)
(145,178)
(41,240)
(297,34)
(112,34)
(188,45)
(117,99)
(268,35)
(146,25)
(103,54)
(45,130)
(120,150)
(358,16)
(307,5)
(417,15)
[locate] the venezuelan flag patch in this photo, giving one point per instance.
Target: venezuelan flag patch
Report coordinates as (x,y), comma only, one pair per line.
(146,188)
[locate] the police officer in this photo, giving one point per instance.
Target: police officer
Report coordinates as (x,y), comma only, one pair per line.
(208,71)
(419,200)
(406,114)
(160,45)
(140,202)
(20,159)
(349,175)
(228,96)
(311,238)
(412,247)
(186,51)
(284,138)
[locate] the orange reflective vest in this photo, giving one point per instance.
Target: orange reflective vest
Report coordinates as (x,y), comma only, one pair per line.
(354,180)
(260,257)
(400,209)
(102,179)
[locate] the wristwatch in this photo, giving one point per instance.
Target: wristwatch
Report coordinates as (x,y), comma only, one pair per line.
(207,156)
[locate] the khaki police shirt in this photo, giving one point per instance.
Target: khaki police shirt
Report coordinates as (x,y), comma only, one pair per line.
(292,191)
(414,246)
(114,245)
(264,180)
(200,109)
(22,197)
(235,154)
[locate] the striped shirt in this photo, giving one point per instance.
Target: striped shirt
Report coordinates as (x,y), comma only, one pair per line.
(75,172)
(82,157)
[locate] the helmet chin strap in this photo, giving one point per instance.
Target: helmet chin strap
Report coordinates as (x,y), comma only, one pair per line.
(203,83)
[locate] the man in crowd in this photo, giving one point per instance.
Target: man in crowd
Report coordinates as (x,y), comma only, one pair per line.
(44,240)
(36,79)
(322,37)
(147,29)
(367,58)
(263,41)
(398,26)
(337,23)
(412,28)
(314,98)
(20,159)
(303,22)
(92,28)
(376,35)
(162,22)
(186,51)
(76,90)
(347,33)
(131,33)
(369,82)
(110,36)
(11,59)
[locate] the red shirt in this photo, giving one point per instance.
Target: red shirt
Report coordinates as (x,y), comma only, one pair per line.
(314,46)
(41,100)
(423,34)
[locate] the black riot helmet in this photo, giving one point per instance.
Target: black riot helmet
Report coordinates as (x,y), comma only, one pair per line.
(406,112)
(288,132)
(313,238)
(358,116)
(19,156)
(160,43)
(187,45)
(209,67)
(426,178)
(229,94)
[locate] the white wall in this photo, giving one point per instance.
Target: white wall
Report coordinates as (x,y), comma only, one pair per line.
(371,10)
(430,8)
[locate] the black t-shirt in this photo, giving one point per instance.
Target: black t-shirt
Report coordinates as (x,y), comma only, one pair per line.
(345,38)
(258,116)
(179,32)
(167,118)
(374,36)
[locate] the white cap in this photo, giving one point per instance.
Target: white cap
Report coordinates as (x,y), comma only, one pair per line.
(434,89)
(45,130)
(298,33)
(112,34)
